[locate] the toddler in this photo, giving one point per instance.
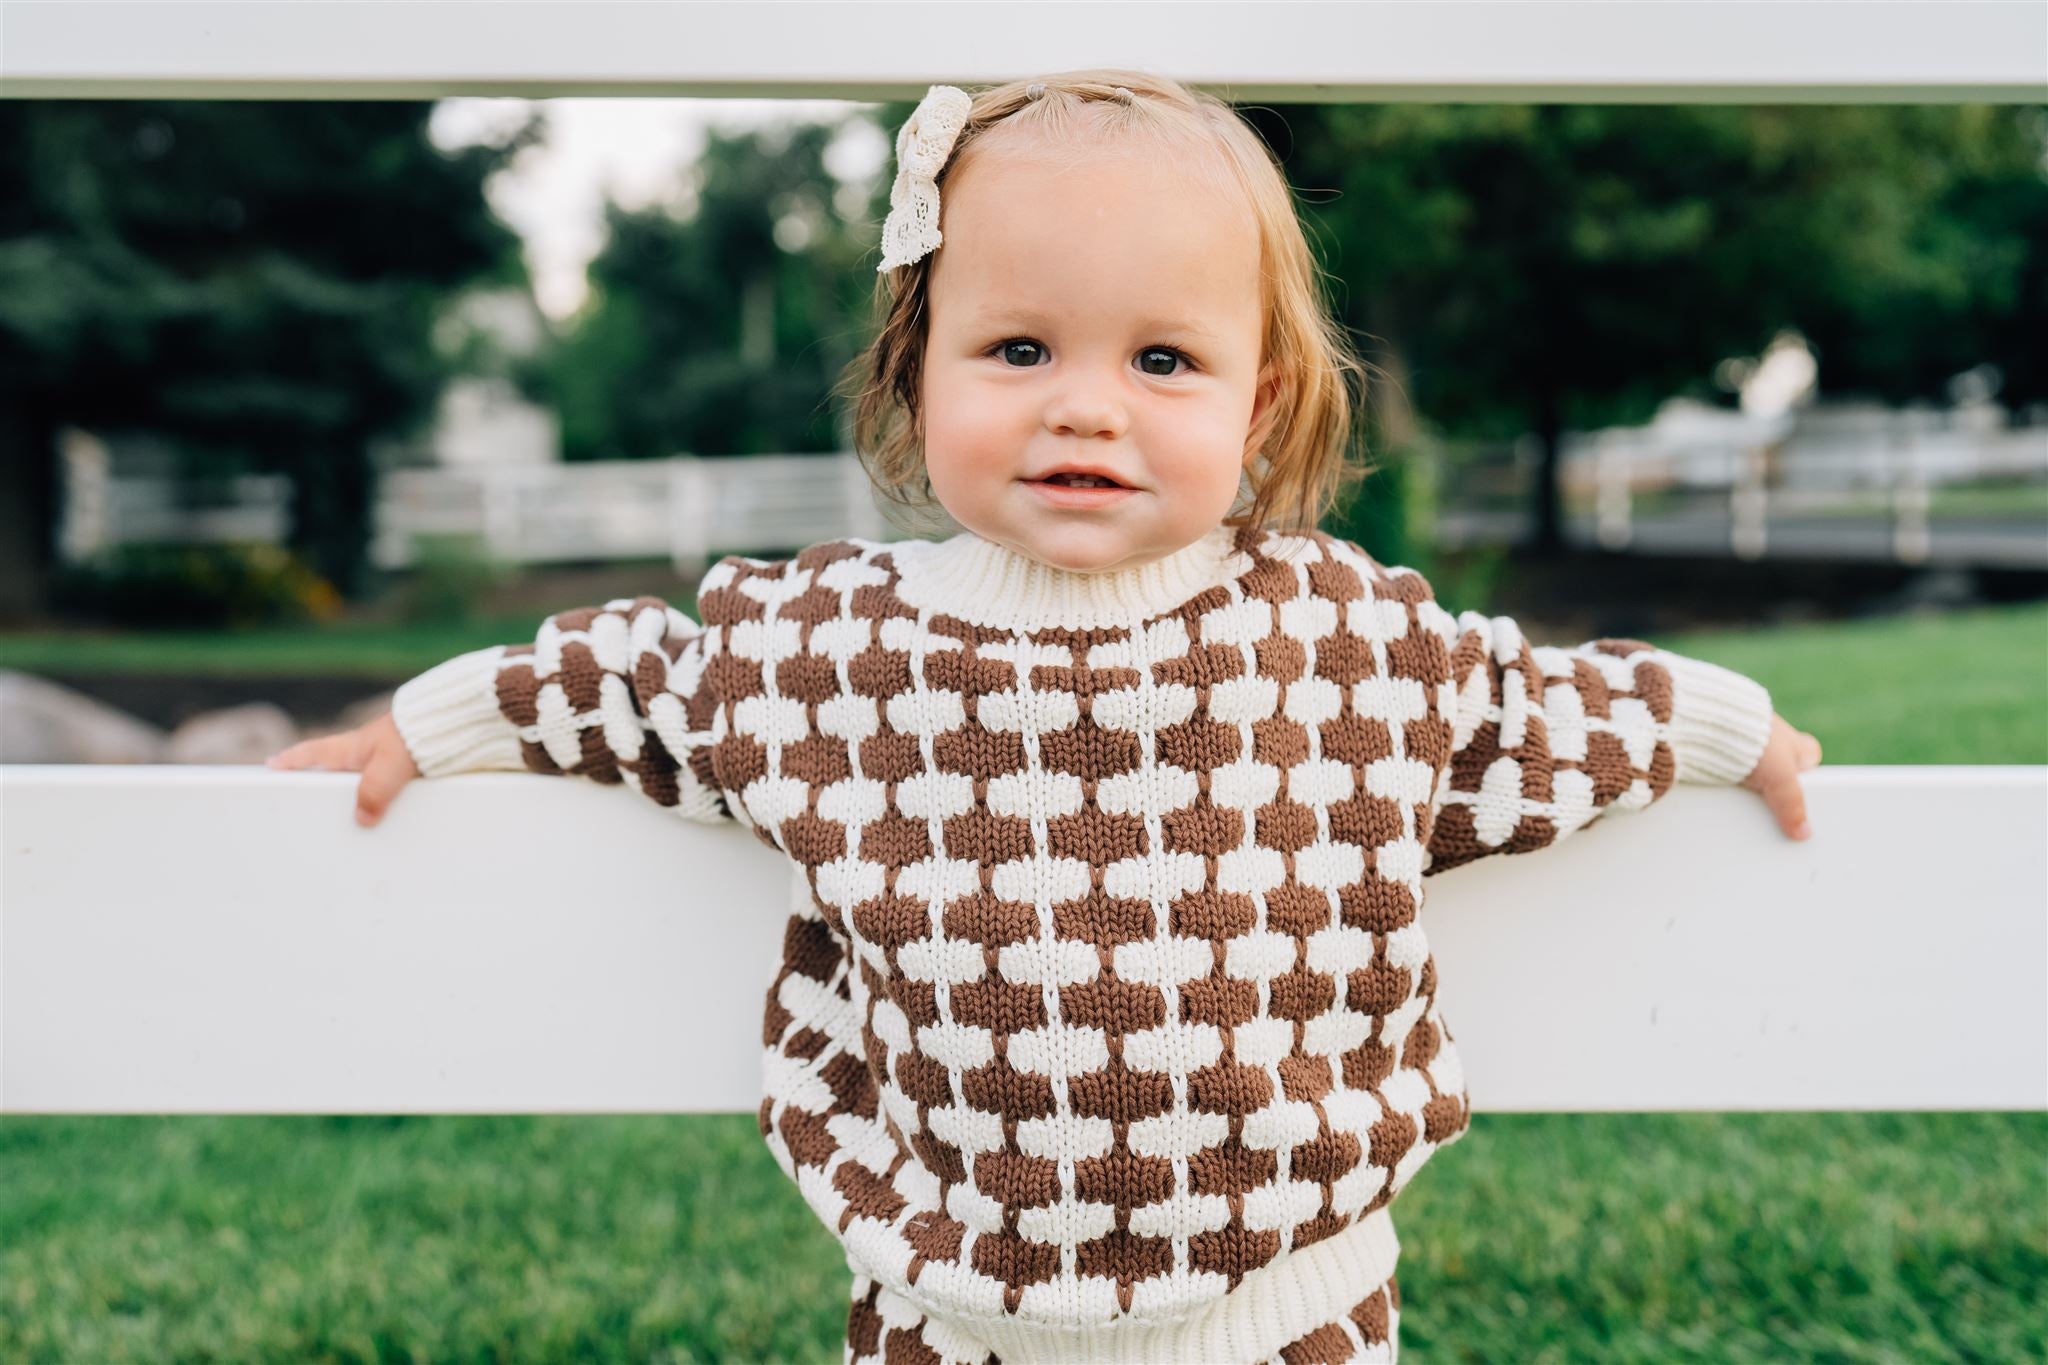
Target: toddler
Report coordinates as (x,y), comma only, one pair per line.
(1110,1031)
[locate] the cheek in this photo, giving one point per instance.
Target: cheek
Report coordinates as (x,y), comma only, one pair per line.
(970,433)
(1200,443)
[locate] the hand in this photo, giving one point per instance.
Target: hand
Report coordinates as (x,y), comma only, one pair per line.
(376,750)
(1787,753)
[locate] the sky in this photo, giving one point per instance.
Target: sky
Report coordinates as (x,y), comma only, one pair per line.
(636,151)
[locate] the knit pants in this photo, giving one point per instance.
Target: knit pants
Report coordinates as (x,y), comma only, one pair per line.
(884,1329)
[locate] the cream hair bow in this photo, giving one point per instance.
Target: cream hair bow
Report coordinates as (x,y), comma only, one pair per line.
(923,143)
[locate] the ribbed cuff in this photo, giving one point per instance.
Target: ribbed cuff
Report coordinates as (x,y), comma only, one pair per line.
(449,717)
(1285,1299)
(1720,720)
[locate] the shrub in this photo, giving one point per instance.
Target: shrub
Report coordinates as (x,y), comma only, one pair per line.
(220,584)
(450,574)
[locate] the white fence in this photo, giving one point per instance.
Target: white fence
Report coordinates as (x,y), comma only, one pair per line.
(684,508)
(1907,485)
(1882,487)
(456,959)
(1666,51)
(464,957)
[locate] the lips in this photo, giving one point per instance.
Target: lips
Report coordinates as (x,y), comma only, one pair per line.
(1080,476)
(1080,489)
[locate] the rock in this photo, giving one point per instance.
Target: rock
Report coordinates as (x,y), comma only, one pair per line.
(248,733)
(364,711)
(42,722)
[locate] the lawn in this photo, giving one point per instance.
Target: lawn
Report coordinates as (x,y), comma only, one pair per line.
(1566,1238)
(1955,687)
(339,648)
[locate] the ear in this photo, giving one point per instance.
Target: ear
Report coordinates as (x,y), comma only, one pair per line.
(1262,410)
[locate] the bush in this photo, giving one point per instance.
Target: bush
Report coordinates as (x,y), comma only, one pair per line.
(450,574)
(1391,515)
(224,584)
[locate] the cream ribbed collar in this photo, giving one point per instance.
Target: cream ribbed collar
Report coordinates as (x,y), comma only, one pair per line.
(988,584)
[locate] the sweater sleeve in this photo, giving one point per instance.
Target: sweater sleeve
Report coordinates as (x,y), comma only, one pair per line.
(1547,740)
(614,693)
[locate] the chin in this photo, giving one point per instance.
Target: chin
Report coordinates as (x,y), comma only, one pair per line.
(1092,553)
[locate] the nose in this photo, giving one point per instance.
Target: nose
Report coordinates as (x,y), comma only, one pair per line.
(1086,403)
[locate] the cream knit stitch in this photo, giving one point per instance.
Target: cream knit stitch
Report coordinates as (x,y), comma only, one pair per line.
(1111,1029)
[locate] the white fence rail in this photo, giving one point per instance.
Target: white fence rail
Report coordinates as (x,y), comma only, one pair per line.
(165,949)
(1909,486)
(458,959)
(684,508)
(1901,486)
(1413,50)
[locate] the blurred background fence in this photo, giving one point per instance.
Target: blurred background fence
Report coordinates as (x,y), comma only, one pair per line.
(1959,487)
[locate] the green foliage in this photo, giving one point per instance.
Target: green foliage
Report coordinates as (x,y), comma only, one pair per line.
(704,332)
(1391,515)
(226,584)
(254,281)
(1602,257)
(449,576)
(1388,513)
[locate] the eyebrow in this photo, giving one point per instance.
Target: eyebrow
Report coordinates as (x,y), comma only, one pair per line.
(1024,317)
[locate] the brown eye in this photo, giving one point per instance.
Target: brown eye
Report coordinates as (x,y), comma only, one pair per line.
(1167,351)
(1030,350)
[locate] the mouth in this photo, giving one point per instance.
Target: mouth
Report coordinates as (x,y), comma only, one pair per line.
(1067,478)
(1080,488)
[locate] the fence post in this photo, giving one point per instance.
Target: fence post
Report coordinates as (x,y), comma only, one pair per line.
(1747,506)
(83,528)
(1615,472)
(501,513)
(689,516)
(863,518)
(1911,539)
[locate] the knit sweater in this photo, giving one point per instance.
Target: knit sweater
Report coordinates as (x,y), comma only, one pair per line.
(1111,1028)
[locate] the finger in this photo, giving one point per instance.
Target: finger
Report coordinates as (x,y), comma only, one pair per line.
(1787,801)
(383,775)
(1809,752)
(307,753)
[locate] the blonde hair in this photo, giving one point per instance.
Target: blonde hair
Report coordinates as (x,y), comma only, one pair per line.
(1305,462)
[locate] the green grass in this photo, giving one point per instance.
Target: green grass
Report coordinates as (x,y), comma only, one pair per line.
(1957,687)
(1542,1238)
(353,649)
(1563,1238)
(460,1238)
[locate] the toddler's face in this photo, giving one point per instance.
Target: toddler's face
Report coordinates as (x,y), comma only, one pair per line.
(1103,315)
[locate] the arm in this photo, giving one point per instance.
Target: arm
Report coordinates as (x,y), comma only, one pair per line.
(1547,740)
(612,693)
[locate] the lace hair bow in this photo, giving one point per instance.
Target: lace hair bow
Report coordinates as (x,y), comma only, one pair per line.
(911,231)
(923,143)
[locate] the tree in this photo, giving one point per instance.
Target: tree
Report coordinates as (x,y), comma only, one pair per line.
(1544,268)
(718,322)
(255,281)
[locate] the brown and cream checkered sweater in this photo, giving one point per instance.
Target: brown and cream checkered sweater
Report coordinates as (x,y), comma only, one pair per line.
(1111,1027)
